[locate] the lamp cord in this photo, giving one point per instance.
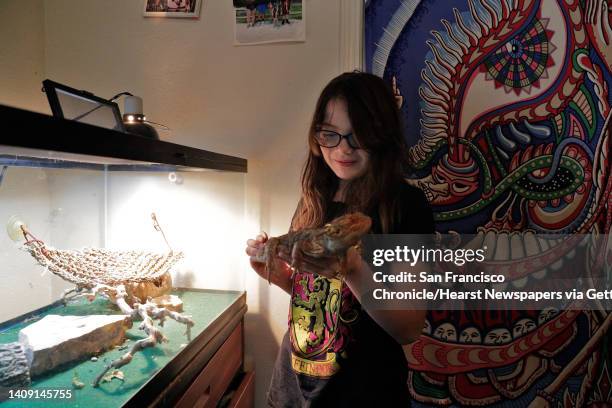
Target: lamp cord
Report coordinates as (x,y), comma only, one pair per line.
(164,127)
(100,105)
(118,95)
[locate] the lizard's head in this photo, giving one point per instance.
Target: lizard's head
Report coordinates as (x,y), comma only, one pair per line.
(348,228)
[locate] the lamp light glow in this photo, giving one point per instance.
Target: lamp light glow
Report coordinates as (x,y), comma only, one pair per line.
(134,119)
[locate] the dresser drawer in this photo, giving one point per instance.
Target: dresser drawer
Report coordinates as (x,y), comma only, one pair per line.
(210,385)
(244,397)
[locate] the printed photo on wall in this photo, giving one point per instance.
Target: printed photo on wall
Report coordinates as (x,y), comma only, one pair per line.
(269,21)
(172,8)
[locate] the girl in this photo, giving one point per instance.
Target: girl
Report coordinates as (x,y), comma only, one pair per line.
(335,353)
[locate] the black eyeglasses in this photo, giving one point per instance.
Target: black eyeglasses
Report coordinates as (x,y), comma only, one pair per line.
(329,138)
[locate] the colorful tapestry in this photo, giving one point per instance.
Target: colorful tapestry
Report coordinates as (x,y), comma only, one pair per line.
(507,112)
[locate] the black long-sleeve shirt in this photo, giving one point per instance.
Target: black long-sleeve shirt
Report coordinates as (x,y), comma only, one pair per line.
(334,354)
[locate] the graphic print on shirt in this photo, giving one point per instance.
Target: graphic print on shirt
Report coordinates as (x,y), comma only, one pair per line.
(313,324)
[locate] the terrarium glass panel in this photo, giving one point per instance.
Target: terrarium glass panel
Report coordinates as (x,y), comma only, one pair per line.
(112,230)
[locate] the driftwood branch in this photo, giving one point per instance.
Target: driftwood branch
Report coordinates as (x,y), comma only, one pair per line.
(154,336)
(161,313)
(147,312)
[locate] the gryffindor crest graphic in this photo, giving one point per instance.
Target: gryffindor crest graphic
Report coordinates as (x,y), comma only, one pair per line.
(313,324)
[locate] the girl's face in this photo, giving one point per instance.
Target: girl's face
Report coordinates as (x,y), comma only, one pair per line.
(346,162)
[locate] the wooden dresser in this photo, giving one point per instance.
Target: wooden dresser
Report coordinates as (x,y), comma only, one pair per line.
(215,379)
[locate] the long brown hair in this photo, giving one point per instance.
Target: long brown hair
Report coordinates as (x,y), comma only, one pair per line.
(377,126)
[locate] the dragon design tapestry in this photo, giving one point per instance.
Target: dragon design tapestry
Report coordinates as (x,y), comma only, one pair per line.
(507,114)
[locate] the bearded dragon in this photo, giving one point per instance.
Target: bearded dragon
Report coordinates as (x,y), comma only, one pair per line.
(333,239)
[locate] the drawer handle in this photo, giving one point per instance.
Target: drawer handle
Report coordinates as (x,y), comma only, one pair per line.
(203,399)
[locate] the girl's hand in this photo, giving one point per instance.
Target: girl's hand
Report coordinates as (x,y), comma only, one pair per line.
(280,265)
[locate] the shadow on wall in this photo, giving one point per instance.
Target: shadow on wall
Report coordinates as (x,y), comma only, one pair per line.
(261,346)
(272,203)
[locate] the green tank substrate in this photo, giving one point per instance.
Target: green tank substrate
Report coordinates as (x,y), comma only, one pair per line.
(204,306)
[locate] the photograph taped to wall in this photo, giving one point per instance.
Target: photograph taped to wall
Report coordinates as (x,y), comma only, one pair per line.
(269,21)
(172,8)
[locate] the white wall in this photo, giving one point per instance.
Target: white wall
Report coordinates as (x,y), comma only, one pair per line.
(252,101)
(212,95)
(22,54)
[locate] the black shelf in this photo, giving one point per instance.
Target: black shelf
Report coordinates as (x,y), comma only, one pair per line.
(31,130)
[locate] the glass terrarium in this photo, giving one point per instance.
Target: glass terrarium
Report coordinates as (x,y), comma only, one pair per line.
(114,245)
